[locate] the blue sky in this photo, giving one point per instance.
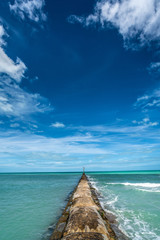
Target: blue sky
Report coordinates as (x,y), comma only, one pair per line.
(79,85)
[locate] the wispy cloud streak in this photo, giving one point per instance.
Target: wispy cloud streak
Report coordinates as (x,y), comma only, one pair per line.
(16,102)
(97,151)
(149,101)
(58,125)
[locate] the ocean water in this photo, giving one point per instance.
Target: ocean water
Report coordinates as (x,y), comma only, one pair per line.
(134,198)
(30,204)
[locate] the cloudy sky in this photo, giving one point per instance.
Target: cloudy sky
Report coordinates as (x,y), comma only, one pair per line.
(79,85)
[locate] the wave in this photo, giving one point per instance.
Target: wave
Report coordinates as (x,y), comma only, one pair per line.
(147,185)
(146,190)
(111,202)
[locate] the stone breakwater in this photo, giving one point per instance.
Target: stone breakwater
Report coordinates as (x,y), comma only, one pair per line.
(84,219)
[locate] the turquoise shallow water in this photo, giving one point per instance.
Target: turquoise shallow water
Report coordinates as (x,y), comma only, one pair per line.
(31,203)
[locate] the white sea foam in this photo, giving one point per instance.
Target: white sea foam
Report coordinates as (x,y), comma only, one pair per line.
(133,226)
(112,201)
(147,185)
(148,190)
(93,183)
(137,229)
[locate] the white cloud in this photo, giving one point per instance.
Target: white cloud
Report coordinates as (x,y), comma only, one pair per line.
(145,97)
(2,34)
(135,19)
(155,65)
(154,123)
(148,101)
(34,126)
(112,129)
(154,69)
(16,102)
(16,69)
(57,125)
(32,9)
(114,134)
(7,66)
(14,125)
(146,122)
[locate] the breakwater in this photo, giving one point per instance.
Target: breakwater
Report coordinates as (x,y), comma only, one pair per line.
(84,217)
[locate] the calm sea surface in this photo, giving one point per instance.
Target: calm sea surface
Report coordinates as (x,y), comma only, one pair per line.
(30,204)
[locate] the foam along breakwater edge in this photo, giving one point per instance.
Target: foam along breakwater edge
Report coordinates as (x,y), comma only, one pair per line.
(84,218)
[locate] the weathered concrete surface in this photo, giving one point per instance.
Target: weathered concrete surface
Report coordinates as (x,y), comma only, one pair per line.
(84,218)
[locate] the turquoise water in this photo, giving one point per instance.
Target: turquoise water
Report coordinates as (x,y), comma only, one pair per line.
(134,199)
(30,204)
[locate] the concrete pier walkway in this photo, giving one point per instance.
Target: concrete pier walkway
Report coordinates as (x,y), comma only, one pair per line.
(84,218)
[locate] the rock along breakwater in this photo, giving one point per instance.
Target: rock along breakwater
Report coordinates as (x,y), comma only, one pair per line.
(84,218)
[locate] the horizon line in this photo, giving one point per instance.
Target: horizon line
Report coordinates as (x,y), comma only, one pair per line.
(85,171)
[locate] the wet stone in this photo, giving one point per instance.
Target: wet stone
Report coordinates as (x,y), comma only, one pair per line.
(61,227)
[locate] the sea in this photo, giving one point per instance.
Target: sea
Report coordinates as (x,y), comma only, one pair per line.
(31,203)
